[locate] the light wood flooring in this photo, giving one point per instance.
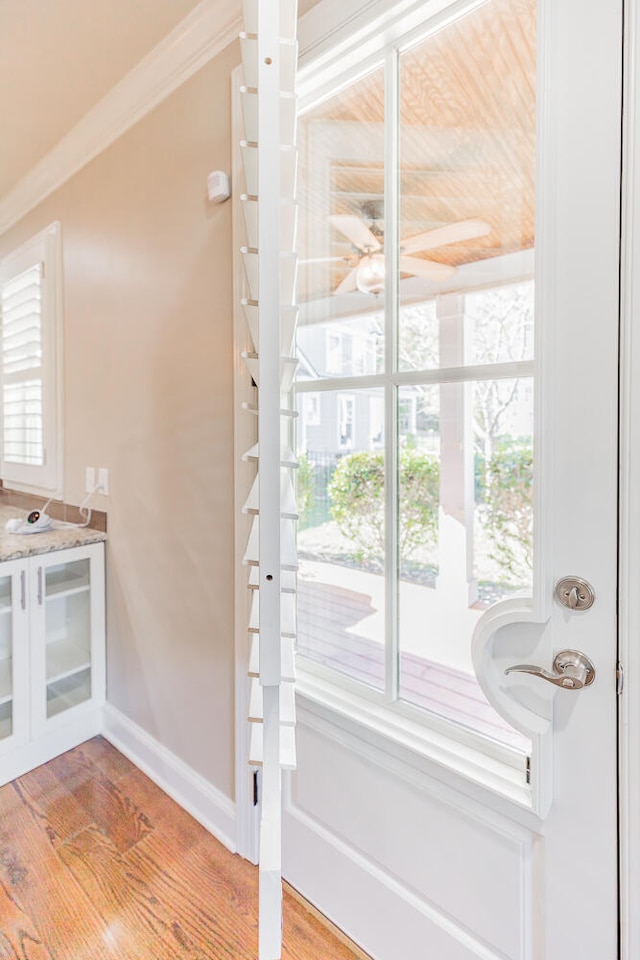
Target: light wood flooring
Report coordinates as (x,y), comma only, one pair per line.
(97,863)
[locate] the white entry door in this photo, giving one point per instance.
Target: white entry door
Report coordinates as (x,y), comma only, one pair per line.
(458,343)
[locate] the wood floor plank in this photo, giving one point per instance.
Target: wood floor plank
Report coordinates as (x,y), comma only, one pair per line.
(105,803)
(181,833)
(97,863)
(110,761)
(9,800)
(39,882)
(181,857)
(130,909)
(19,940)
(218,916)
(305,937)
(213,892)
(46,793)
(161,810)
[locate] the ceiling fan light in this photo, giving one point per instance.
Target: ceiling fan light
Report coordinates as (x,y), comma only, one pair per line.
(370,274)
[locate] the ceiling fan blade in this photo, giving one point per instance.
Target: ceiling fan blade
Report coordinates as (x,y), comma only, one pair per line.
(356,230)
(450,233)
(427,269)
(348,285)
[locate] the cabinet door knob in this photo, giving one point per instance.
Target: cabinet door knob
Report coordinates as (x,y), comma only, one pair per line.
(40,585)
(23,589)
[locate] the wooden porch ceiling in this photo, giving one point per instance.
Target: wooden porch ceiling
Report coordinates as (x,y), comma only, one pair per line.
(467,145)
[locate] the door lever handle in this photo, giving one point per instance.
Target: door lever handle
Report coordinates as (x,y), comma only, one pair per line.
(572,670)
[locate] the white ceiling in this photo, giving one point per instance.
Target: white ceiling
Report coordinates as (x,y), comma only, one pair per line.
(58,58)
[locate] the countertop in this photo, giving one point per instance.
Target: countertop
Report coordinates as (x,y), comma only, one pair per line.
(15,546)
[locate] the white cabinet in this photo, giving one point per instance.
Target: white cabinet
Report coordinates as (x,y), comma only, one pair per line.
(52,655)
(14,655)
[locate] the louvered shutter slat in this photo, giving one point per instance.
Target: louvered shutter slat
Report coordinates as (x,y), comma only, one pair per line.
(23,439)
(22,392)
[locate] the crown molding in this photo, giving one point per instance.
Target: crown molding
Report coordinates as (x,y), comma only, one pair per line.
(205,32)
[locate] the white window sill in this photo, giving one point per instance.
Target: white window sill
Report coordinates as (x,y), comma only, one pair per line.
(468,763)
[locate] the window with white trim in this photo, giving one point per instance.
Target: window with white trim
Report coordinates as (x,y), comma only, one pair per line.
(30,328)
(416,234)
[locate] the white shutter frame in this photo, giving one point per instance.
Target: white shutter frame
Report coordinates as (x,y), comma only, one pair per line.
(44,248)
(268,106)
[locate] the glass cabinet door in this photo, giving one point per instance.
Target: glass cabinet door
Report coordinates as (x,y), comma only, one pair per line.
(65,591)
(7,719)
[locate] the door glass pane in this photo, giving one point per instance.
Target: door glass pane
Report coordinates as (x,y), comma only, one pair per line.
(467,184)
(467,202)
(68,635)
(6,659)
(465,133)
(340,233)
(465,519)
(341,532)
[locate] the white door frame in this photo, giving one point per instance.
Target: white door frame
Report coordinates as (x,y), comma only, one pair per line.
(629,594)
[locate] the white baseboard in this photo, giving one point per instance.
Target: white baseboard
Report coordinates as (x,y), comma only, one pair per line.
(215,811)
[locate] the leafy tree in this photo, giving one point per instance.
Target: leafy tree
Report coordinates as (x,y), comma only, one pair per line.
(418,500)
(508,507)
(356,490)
(357,500)
(499,323)
(305,488)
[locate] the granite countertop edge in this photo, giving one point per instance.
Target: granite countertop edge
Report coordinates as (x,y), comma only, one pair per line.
(15,546)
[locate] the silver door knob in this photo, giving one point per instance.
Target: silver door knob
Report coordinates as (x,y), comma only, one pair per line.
(572,670)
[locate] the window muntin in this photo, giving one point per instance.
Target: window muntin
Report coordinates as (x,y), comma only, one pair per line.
(453,433)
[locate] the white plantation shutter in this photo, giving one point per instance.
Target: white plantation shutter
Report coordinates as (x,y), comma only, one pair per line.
(29,359)
(269,59)
(22,409)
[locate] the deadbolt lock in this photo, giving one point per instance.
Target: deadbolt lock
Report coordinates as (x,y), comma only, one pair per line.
(575,593)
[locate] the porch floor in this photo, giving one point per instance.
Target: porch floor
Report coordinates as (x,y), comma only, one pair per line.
(341,625)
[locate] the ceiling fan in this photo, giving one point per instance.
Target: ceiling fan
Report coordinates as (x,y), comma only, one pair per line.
(367,271)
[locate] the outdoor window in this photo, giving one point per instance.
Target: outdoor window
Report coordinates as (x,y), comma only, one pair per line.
(312,409)
(30,354)
(417,236)
(334,353)
(346,419)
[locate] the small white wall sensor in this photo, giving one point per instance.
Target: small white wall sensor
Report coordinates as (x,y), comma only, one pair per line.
(218,187)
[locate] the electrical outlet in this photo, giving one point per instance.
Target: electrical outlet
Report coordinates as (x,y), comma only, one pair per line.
(103,481)
(90,479)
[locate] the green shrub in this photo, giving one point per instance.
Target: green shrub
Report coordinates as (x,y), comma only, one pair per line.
(305,488)
(357,501)
(508,508)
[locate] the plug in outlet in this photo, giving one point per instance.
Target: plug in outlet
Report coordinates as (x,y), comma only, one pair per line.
(103,481)
(90,480)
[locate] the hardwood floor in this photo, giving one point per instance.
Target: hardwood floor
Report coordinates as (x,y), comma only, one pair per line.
(97,863)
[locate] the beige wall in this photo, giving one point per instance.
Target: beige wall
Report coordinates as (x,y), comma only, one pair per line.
(148,394)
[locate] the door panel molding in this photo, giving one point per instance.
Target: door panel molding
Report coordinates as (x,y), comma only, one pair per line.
(411,915)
